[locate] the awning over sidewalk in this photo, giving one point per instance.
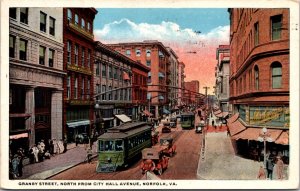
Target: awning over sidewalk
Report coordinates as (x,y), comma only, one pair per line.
(146,112)
(124,118)
(18,136)
(217,112)
(283,139)
(78,123)
(235,127)
(233,118)
(222,114)
(254,134)
(165,111)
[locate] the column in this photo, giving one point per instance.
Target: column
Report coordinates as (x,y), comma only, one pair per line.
(57,114)
(29,108)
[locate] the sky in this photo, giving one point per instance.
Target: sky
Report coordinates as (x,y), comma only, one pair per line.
(194,34)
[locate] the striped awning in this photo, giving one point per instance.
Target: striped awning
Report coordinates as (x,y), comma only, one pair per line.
(283,139)
(125,76)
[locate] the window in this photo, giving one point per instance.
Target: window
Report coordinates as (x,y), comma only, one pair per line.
(97,68)
(82,56)
(89,59)
(76,19)
(69,87)
(13,13)
(51,57)
(69,15)
(110,72)
(76,54)
(83,23)
(82,89)
(42,55)
(24,15)
(12,42)
(52,26)
(103,90)
(125,94)
(115,73)
(149,79)
(97,90)
(138,52)
(109,93)
(256,77)
(276,27)
(76,88)
(276,75)
(103,70)
(89,26)
(148,62)
(116,94)
(69,46)
(128,53)
(43,17)
(148,53)
(121,94)
(23,49)
(256,34)
(88,88)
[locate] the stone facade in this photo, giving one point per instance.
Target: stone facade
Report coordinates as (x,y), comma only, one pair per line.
(36,73)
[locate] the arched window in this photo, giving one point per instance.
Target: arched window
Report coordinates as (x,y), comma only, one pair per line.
(276,75)
(256,77)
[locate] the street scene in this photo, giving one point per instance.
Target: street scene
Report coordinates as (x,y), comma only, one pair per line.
(147,94)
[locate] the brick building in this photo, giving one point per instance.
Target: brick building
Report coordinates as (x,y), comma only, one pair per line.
(154,55)
(191,88)
(35,75)
(259,80)
(181,76)
(78,62)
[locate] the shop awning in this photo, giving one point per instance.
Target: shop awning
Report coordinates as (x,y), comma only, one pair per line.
(217,112)
(283,139)
(161,97)
(233,118)
(78,123)
(254,134)
(125,76)
(18,136)
(161,75)
(165,111)
(146,112)
(107,118)
(235,127)
(123,118)
(222,114)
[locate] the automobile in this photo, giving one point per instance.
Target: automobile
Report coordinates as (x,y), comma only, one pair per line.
(154,161)
(167,146)
(173,122)
(166,127)
(83,138)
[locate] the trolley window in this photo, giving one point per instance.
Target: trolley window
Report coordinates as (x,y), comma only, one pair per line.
(119,145)
(109,146)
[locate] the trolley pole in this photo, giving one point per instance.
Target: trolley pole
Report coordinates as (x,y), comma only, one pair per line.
(205,124)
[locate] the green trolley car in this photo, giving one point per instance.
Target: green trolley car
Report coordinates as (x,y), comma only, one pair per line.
(121,144)
(187,120)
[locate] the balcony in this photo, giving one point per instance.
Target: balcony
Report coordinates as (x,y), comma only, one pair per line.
(81,31)
(79,69)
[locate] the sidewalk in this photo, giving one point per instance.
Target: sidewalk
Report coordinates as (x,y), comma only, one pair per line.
(58,163)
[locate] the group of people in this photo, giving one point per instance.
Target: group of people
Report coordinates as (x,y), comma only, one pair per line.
(270,163)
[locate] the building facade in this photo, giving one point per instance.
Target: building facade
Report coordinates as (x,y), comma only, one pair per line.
(154,55)
(112,74)
(35,75)
(192,92)
(222,77)
(259,80)
(181,76)
(78,39)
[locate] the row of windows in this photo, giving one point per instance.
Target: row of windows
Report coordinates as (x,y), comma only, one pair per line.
(139,79)
(43,19)
(138,52)
(276,78)
(84,61)
(139,139)
(76,20)
(112,72)
(139,94)
(121,94)
(85,85)
(44,53)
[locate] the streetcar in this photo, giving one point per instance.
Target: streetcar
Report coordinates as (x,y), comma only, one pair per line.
(187,120)
(122,144)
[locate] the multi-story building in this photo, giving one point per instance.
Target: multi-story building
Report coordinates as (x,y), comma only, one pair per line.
(222,77)
(112,79)
(154,55)
(78,38)
(192,92)
(35,75)
(259,80)
(181,76)
(173,79)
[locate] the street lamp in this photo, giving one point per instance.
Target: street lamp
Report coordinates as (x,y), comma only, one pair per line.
(98,116)
(263,137)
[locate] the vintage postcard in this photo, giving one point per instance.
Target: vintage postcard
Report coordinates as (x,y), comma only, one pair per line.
(149,95)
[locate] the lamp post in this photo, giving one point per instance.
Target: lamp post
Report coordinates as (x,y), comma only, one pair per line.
(263,137)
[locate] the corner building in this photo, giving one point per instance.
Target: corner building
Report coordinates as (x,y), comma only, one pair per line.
(259,81)
(78,39)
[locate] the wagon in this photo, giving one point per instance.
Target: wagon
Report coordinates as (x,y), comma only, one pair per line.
(167,146)
(166,127)
(154,161)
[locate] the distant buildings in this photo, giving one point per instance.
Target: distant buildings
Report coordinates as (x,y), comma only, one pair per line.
(191,92)
(259,80)
(36,75)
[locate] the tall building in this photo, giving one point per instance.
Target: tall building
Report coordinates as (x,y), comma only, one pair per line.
(154,55)
(222,77)
(78,38)
(259,80)
(35,75)
(112,71)
(191,92)
(181,76)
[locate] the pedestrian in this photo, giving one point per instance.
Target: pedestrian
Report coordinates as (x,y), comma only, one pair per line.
(89,154)
(279,168)
(21,157)
(76,140)
(65,143)
(270,166)
(51,147)
(15,163)
(213,123)
(35,152)
(261,173)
